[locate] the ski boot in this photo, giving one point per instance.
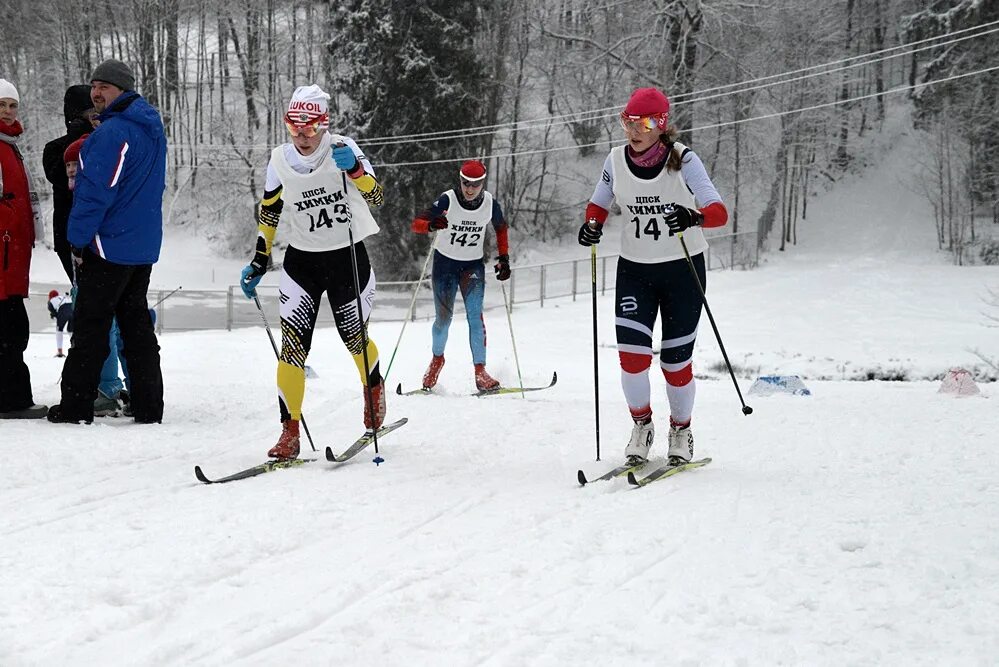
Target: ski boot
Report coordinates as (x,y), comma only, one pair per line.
(288,444)
(484,381)
(433,371)
(377,394)
(642,435)
(681,443)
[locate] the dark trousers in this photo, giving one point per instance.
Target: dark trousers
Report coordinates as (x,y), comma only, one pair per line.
(59,242)
(15,380)
(106,291)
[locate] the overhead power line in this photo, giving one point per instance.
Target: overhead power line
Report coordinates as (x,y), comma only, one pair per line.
(749,85)
(777,114)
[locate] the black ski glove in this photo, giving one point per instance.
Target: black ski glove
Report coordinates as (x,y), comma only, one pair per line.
(681,218)
(502,267)
(590,233)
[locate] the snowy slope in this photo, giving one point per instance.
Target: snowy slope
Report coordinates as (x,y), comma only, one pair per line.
(855,526)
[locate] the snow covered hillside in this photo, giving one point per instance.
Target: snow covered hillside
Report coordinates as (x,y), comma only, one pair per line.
(854,526)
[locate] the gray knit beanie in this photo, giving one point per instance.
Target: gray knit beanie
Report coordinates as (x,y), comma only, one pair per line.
(116,73)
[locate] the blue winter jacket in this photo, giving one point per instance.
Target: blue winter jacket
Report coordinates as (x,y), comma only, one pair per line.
(118,200)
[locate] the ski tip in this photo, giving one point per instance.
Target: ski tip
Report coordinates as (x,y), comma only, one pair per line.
(632,479)
(554,378)
(330,456)
(201,476)
(398,389)
(581,477)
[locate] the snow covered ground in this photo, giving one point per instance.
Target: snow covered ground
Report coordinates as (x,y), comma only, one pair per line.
(855,526)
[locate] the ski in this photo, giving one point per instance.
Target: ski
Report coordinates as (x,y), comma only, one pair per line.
(412,392)
(362,442)
(252,472)
(665,471)
(622,469)
(498,391)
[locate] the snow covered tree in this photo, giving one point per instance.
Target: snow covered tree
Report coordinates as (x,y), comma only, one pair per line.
(968,104)
(406,68)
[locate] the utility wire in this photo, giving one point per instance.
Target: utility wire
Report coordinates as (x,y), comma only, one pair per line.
(678,100)
(699,128)
(776,114)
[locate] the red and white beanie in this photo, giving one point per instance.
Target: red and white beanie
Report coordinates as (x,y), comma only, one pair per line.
(308,105)
(473,170)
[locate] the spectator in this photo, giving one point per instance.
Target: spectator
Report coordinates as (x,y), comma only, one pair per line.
(115,231)
(20,226)
(79,113)
(61,310)
(110,388)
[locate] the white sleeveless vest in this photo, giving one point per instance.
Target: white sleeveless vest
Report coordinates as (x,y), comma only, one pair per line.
(645,237)
(318,208)
(466,230)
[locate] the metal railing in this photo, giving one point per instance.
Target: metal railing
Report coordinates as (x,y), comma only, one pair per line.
(192,310)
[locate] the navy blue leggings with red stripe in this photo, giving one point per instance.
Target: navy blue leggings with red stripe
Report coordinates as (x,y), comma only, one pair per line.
(666,289)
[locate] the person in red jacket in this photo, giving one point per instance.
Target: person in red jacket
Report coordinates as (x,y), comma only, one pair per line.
(20,226)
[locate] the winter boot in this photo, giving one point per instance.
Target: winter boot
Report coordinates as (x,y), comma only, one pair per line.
(377,394)
(681,443)
(288,444)
(59,354)
(31,412)
(484,381)
(106,407)
(642,435)
(57,415)
(433,371)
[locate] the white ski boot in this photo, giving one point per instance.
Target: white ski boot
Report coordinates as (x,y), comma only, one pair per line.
(638,447)
(681,444)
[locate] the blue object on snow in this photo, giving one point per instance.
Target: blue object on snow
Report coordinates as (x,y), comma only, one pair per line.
(378,460)
(766,385)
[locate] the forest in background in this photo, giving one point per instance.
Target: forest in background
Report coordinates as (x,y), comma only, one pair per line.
(779,98)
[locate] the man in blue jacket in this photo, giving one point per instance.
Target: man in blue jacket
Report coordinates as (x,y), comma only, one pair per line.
(115,231)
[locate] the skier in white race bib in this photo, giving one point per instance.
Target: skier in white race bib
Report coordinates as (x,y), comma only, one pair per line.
(305,181)
(460,218)
(663,190)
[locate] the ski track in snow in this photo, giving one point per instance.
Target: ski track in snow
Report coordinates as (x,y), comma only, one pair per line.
(855,526)
(846,527)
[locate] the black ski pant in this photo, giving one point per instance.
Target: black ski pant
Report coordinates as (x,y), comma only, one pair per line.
(105,291)
(15,380)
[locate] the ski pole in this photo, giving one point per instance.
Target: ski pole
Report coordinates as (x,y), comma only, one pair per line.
(409,313)
(596,366)
(360,320)
(746,410)
(267,328)
(509,320)
(166,297)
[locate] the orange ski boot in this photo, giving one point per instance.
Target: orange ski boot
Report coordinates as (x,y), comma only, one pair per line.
(484,381)
(288,444)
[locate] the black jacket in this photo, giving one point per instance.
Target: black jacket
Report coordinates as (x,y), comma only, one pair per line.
(75,103)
